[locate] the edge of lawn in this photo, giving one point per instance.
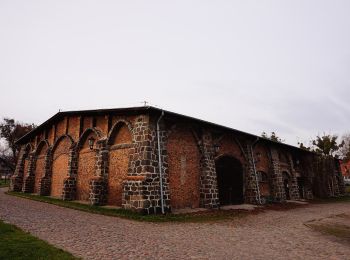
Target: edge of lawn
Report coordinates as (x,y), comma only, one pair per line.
(30,247)
(210,215)
(205,216)
(4,184)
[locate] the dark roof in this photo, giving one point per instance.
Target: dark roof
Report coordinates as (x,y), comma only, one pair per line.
(137,110)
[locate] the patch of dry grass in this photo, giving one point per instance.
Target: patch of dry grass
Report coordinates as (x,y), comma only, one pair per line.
(337,230)
(347,189)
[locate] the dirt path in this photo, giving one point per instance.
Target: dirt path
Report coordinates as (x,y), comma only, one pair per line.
(274,234)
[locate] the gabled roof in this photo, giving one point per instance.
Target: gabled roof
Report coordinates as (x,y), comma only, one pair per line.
(137,110)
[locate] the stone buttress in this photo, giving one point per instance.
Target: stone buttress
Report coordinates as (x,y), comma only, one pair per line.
(209,194)
(98,185)
(141,190)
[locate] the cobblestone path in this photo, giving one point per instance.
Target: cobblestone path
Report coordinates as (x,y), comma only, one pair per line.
(270,235)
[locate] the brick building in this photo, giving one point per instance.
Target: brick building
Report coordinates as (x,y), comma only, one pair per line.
(149,160)
(345,168)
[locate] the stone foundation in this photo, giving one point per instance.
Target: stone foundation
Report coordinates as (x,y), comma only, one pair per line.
(28,184)
(98,191)
(16,183)
(45,186)
(209,193)
(69,188)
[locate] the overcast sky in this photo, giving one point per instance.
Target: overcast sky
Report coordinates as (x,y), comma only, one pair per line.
(256,66)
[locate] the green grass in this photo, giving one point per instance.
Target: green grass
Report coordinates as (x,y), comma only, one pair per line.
(211,215)
(16,244)
(3,183)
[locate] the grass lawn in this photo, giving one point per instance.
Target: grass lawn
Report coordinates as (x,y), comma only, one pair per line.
(203,216)
(347,189)
(335,225)
(16,244)
(345,198)
(340,231)
(4,184)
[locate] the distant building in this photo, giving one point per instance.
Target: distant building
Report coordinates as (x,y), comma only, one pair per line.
(150,160)
(345,168)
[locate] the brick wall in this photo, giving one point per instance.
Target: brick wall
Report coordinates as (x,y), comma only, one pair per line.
(74,127)
(228,146)
(60,159)
(86,171)
(120,145)
(102,124)
(123,167)
(183,167)
(40,164)
(86,167)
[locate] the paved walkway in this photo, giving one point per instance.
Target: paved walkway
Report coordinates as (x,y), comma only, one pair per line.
(274,234)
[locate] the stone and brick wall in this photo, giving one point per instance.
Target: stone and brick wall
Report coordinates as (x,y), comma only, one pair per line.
(123,167)
(142,188)
(263,168)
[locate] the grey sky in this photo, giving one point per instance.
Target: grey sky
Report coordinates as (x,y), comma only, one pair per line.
(252,65)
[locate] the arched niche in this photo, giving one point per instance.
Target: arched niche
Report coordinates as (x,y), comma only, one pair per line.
(40,164)
(183,167)
(86,162)
(119,143)
(60,163)
(264,183)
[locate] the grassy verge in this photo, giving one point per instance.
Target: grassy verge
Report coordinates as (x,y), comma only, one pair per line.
(345,198)
(205,216)
(347,189)
(16,244)
(4,184)
(340,231)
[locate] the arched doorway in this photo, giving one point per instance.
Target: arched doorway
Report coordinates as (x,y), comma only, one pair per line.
(86,165)
(264,185)
(286,184)
(184,168)
(60,159)
(229,172)
(40,165)
(120,143)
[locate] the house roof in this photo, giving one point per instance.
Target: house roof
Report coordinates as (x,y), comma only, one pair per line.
(137,110)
